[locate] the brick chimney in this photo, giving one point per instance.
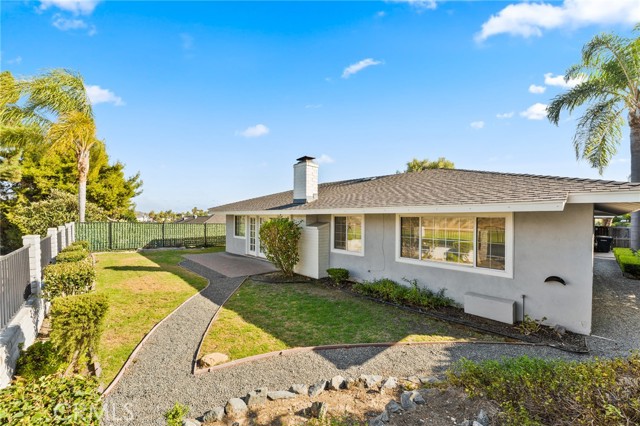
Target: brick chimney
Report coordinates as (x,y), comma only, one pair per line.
(305,180)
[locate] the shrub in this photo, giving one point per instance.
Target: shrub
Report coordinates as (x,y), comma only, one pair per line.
(40,359)
(391,291)
(83,244)
(176,414)
(280,238)
(51,400)
(628,260)
(338,275)
(76,325)
(68,278)
(538,391)
(75,255)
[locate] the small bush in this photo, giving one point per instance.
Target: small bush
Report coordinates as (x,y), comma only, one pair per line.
(532,391)
(338,275)
(628,260)
(83,244)
(76,325)
(75,255)
(51,400)
(280,238)
(391,291)
(65,279)
(530,325)
(176,415)
(40,359)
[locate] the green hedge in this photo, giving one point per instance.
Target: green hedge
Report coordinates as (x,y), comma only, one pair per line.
(338,275)
(64,279)
(391,291)
(83,244)
(628,260)
(77,323)
(75,255)
(51,400)
(40,359)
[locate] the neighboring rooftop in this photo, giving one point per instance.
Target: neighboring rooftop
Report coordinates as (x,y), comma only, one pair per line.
(442,187)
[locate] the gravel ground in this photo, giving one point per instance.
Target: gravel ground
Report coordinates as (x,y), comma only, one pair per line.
(162,376)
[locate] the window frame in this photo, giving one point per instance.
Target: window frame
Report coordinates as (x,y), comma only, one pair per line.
(473,268)
(362,229)
(235,230)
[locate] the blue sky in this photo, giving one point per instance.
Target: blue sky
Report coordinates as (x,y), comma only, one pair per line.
(212,101)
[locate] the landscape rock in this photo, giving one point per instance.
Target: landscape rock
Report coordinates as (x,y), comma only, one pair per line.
(299,389)
(390,384)
(406,401)
(318,388)
(350,383)
(336,383)
(318,410)
(276,395)
(559,329)
(190,422)
(393,407)
(380,420)
(371,381)
(417,398)
(414,379)
(235,407)
(212,359)
(256,398)
(216,414)
(430,380)
(483,418)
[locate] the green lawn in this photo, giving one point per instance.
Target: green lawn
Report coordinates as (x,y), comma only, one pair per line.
(261,318)
(143,288)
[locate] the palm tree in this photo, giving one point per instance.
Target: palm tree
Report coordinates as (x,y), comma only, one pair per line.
(416,165)
(61,93)
(609,76)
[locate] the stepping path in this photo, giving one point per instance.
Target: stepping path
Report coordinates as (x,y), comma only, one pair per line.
(161,373)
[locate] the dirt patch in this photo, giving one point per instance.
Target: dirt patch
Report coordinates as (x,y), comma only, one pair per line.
(358,406)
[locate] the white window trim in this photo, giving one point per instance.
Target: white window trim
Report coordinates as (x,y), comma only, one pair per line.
(362,228)
(508,240)
(240,237)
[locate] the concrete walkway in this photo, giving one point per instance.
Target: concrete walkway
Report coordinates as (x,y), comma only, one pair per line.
(231,265)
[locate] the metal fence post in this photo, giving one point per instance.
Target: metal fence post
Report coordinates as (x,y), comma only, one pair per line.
(35,267)
(51,232)
(205,234)
(63,238)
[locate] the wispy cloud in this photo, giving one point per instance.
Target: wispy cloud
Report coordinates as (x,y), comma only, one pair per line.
(359,66)
(187,41)
(313,106)
(66,24)
(15,61)
(77,7)
(504,115)
(254,131)
(537,89)
(418,4)
(531,19)
(98,95)
(559,80)
(325,159)
(477,124)
(536,111)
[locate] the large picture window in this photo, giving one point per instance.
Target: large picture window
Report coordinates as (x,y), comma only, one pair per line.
(239,226)
(347,233)
(468,241)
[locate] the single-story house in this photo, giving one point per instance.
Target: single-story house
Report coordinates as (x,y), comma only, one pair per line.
(495,241)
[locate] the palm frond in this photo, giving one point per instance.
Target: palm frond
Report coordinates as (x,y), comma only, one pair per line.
(58,91)
(591,90)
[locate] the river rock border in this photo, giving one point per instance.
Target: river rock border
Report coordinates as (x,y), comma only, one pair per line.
(410,398)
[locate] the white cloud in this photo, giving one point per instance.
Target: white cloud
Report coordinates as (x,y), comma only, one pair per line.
(254,131)
(558,80)
(17,60)
(359,66)
(325,159)
(381,14)
(418,4)
(536,111)
(313,106)
(187,41)
(65,24)
(537,89)
(77,7)
(477,124)
(98,95)
(504,115)
(530,19)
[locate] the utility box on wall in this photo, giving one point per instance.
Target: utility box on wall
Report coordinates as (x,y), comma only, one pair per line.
(314,250)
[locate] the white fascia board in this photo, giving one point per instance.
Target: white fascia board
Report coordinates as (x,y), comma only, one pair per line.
(604,197)
(540,206)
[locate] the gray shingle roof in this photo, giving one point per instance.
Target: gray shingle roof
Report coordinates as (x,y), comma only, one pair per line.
(439,187)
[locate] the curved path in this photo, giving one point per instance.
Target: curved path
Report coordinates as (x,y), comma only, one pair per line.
(161,372)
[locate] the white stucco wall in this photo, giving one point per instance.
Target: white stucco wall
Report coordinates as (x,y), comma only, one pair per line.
(235,245)
(545,244)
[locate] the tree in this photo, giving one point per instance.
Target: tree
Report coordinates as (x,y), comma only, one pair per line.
(416,165)
(609,84)
(62,93)
(280,237)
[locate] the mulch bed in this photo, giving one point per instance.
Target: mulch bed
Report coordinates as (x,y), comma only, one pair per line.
(569,342)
